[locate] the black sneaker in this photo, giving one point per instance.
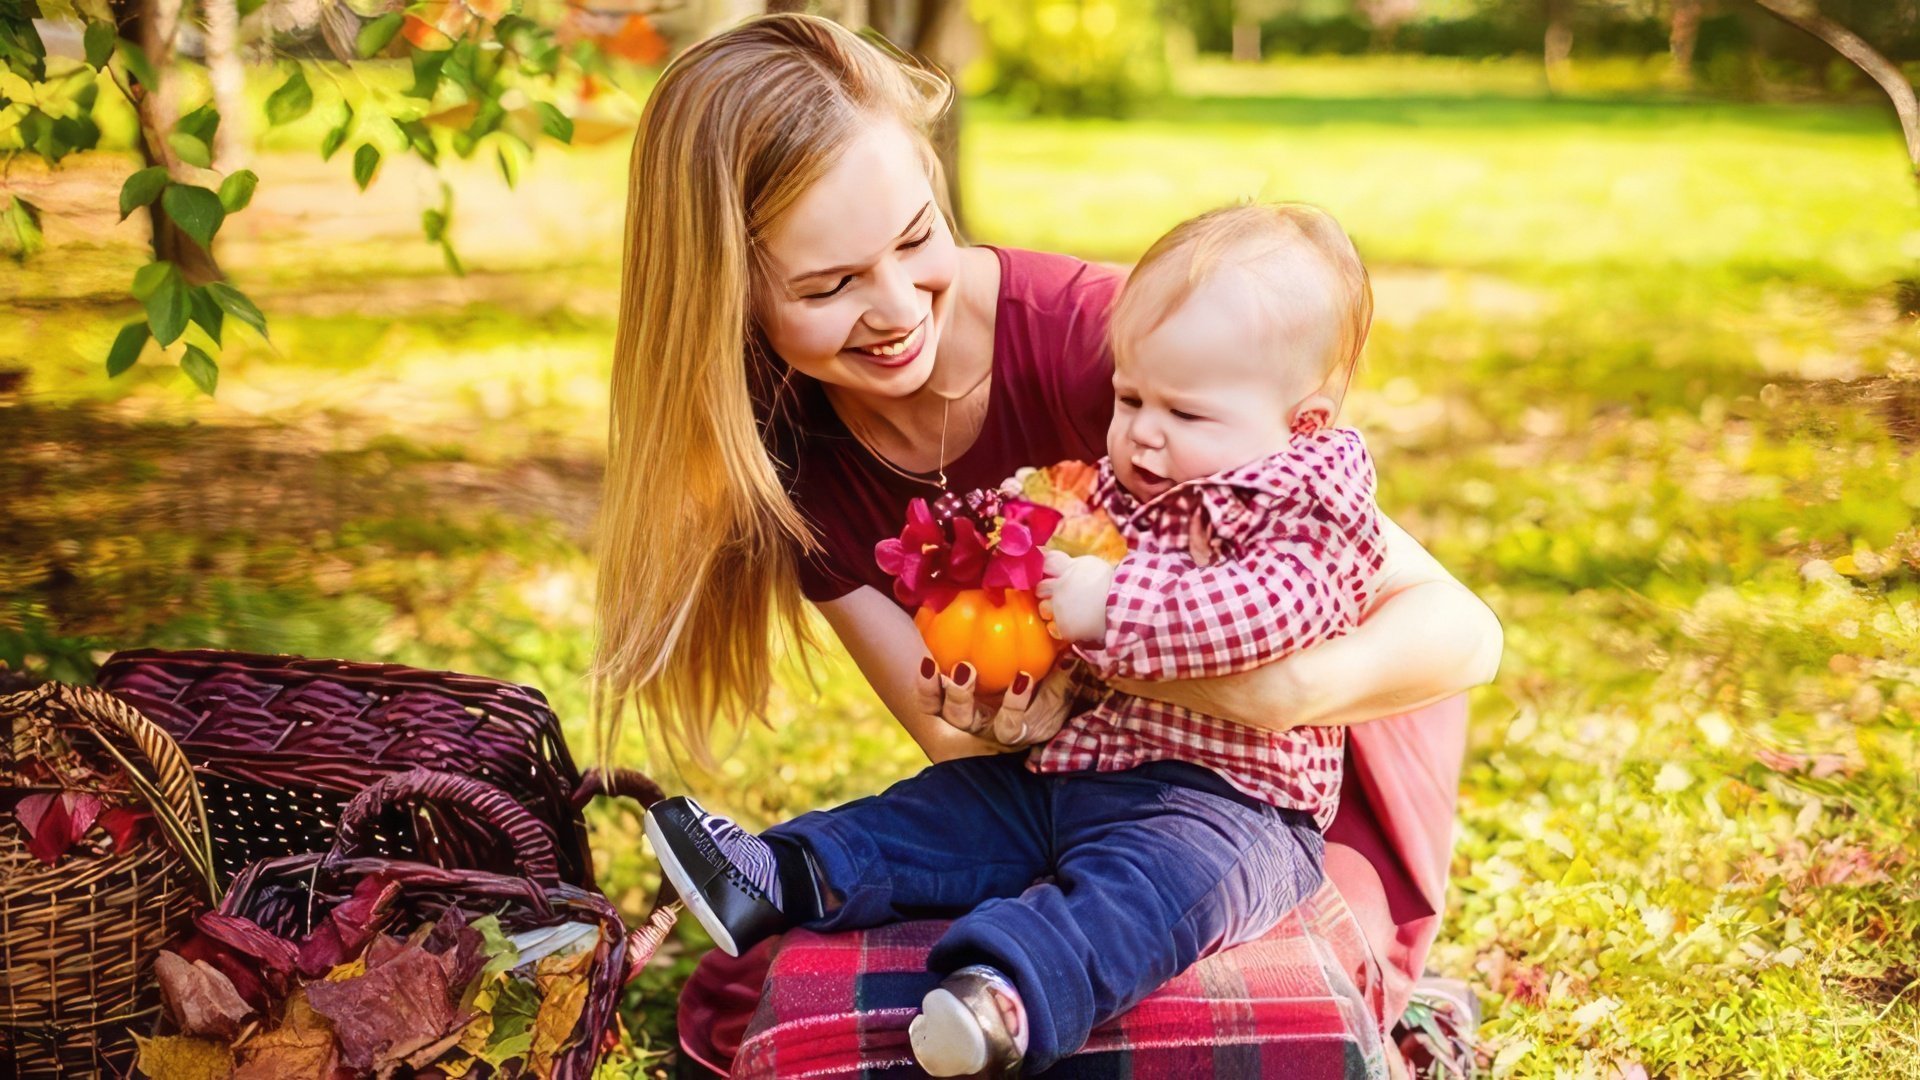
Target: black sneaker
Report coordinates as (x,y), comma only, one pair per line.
(729,877)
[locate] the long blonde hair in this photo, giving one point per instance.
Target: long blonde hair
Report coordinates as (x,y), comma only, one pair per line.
(697,588)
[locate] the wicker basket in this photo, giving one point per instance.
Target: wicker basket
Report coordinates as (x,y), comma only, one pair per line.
(77,939)
(289,896)
(281,743)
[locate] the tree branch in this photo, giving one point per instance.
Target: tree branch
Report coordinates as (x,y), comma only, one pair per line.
(1806,16)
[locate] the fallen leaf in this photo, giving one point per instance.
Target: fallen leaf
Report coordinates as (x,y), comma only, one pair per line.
(561,1003)
(391,1012)
(180,1057)
(55,821)
(126,824)
(347,929)
(199,998)
(302,1047)
(514,1010)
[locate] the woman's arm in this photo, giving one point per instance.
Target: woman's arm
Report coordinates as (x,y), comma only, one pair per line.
(1423,638)
(937,711)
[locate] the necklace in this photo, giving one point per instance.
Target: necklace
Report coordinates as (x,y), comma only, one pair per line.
(938,480)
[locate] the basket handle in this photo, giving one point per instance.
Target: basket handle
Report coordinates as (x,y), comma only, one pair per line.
(167,784)
(527,839)
(644,940)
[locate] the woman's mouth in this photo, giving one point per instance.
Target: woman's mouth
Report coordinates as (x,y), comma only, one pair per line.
(897,352)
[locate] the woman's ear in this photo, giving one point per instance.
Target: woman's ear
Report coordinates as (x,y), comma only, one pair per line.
(1313,414)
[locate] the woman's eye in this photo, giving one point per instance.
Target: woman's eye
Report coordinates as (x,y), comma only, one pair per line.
(924,237)
(830,292)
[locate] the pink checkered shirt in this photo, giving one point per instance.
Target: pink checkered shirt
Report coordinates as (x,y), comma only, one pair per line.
(1281,558)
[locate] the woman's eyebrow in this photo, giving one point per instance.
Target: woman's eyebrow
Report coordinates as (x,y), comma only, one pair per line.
(838,270)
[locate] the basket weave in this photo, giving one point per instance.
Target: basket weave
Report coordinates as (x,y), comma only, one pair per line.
(77,939)
(281,743)
(289,896)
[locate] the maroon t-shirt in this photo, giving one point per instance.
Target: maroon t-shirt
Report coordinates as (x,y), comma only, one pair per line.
(1050,400)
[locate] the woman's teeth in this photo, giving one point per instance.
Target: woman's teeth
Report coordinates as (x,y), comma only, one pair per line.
(895,349)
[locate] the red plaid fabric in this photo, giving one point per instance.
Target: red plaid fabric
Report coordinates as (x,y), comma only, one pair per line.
(1301,1002)
(1226,573)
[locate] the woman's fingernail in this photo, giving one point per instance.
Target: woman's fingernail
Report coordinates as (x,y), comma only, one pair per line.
(963,674)
(928,669)
(1020,682)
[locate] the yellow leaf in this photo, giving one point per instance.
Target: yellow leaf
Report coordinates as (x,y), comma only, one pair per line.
(178,1057)
(352,969)
(564,996)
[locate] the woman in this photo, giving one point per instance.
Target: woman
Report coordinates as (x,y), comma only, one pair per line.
(804,346)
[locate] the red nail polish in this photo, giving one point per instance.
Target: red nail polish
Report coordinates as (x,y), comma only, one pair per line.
(963,673)
(1020,682)
(928,669)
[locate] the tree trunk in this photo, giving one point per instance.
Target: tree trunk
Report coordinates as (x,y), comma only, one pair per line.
(1682,35)
(1804,15)
(152,23)
(1246,41)
(1557,49)
(229,83)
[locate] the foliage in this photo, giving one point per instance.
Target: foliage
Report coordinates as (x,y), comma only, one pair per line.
(480,74)
(1073,57)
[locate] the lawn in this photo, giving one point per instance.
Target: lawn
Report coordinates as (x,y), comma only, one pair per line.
(1639,378)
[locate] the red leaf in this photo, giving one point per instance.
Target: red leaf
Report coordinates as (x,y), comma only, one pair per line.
(126,824)
(348,927)
(391,1012)
(54,822)
(201,1000)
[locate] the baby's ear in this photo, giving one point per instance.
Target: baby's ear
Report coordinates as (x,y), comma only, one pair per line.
(1313,414)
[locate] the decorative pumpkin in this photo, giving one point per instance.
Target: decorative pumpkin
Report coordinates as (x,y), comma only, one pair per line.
(1000,640)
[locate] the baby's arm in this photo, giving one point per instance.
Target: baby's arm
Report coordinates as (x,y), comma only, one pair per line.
(1170,619)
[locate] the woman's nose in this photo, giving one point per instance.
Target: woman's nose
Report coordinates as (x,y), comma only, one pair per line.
(895,305)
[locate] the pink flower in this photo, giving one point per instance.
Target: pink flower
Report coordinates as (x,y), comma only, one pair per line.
(930,568)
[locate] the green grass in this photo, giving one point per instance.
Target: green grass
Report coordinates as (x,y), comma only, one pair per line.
(1638,378)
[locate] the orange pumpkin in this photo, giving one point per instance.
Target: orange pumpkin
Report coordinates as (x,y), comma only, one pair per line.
(999,640)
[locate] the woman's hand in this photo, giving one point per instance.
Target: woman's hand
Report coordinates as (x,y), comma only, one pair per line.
(1030,711)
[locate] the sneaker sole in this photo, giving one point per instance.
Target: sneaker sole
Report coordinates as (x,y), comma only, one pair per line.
(683,884)
(946,1036)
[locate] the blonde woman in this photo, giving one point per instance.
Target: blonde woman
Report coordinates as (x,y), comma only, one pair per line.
(804,346)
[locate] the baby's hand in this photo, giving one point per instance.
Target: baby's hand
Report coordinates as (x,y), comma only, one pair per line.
(1073,596)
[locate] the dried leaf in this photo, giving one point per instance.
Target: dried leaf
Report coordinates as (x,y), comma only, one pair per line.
(348,928)
(178,1057)
(126,824)
(302,1047)
(393,1011)
(514,1010)
(54,822)
(200,999)
(563,998)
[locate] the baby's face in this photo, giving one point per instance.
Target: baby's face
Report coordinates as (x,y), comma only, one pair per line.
(1208,389)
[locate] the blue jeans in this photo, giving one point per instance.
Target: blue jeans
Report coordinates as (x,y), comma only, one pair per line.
(1089,890)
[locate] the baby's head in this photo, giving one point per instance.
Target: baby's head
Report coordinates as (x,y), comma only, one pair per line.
(1236,329)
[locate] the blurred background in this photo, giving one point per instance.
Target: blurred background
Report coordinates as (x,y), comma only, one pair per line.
(1644,375)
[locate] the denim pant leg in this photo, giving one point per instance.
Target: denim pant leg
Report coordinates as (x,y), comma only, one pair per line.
(933,845)
(1151,877)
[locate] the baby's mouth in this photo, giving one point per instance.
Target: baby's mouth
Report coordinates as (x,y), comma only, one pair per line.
(1149,478)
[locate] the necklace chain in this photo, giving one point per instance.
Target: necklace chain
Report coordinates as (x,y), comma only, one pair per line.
(939,481)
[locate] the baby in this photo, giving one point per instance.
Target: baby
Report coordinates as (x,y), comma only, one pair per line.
(1143,836)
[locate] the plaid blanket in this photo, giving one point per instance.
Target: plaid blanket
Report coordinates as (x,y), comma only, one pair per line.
(1304,1002)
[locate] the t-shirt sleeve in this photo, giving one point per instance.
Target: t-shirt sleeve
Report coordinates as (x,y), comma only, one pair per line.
(820,579)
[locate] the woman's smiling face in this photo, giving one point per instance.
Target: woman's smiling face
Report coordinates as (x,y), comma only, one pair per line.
(859,271)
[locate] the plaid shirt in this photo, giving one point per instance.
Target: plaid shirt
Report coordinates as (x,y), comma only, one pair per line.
(1225,573)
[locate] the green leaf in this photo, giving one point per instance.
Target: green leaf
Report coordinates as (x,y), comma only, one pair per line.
(206,312)
(196,210)
(191,150)
(248,7)
(20,234)
(21,48)
(99,44)
(147,279)
(375,35)
(135,59)
(235,303)
(426,74)
(236,191)
(365,161)
(126,348)
(434,224)
(291,101)
(160,288)
(201,123)
(554,122)
(330,142)
(141,188)
(201,369)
